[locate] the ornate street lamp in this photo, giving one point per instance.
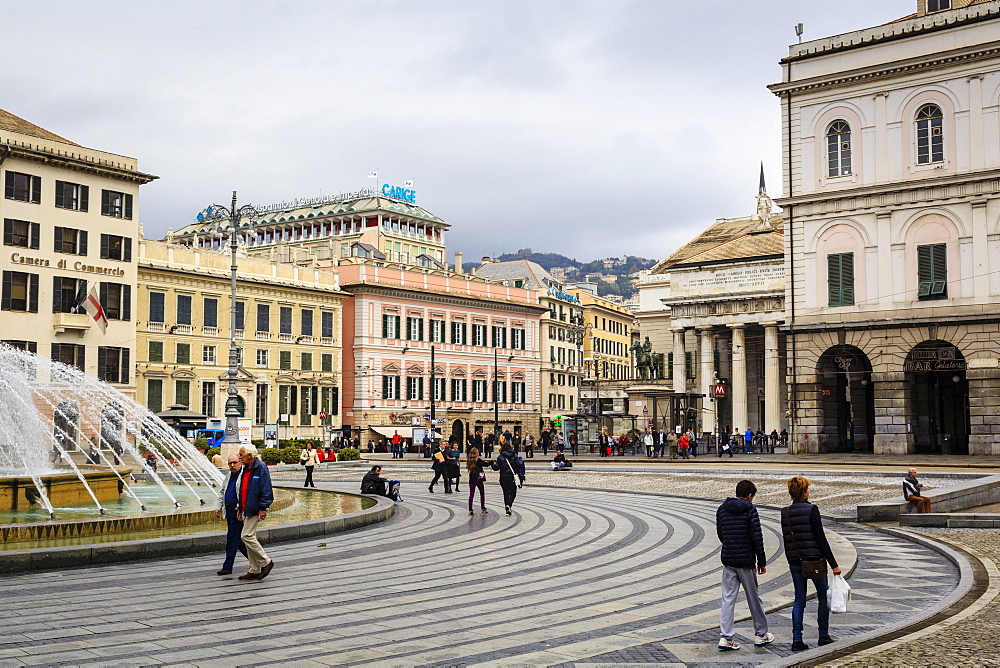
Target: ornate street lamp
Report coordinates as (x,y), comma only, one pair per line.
(231,221)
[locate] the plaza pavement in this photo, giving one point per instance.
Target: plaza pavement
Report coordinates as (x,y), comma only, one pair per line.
(575,577)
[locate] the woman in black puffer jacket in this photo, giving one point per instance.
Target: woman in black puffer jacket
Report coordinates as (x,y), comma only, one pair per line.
(802,529)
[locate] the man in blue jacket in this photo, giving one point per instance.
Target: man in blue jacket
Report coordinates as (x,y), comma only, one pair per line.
(227,505)
(255,497)
(738,527)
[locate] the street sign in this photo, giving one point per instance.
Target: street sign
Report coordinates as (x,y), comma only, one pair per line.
(719,389)
(322,414)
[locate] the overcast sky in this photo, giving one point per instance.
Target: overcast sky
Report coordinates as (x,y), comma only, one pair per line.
(584,128)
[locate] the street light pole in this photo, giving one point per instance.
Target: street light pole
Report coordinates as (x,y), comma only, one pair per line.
(496,387)
(232,216)
(433,390)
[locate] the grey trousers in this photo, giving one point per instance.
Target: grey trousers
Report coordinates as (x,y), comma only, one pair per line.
(255,552)
(732,578)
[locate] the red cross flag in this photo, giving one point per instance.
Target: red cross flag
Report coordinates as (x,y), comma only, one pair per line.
(92,305)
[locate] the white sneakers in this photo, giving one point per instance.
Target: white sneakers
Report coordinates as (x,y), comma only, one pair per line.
(728,644)
(758,641)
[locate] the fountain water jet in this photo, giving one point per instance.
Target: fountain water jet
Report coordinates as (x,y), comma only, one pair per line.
(49,410)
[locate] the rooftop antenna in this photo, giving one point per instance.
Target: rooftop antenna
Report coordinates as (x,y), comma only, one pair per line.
(799,29)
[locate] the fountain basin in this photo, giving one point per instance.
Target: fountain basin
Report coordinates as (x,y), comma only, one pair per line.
(63,489)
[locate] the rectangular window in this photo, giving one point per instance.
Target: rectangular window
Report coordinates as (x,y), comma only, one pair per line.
(260,404)
(116,299)
(307,361)
(479,335)
(155,351)
(20,292)
(183,353)
(23,187)
(517,390)
(840,278)
(261,359)
(241,315)
(479,391)
(329,398)
(154,395)
(414,388)
(414,329)
(210,313)
(72,196)
(156,309)
(285,360)
(208,399)
(938,5)
(326,362)
(209,355)
(285,320)
(499,336)
(932,272)
(437,331)
(116,204)
(113,364)
(183,309)
(21,233)
(306,324)
(67,293)
(72,354)
(459,333)
(263,318)
(499,391)
(390,387)
(390,326)
(518,339)
(69,240)
(182,393)
(438,387)
(459,389)
(114,247)
(305,415)
(327,324)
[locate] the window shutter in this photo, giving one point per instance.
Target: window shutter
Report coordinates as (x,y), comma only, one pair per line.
(103,292)
(420,329)
(105,246)
(127,251)
(125,375)
(60,198)
(385,328)
(85,200)
(57,240)
(105,202)
(33,293)
(82,250)
(293,399)
(847,279)
(36,232)
(7,287)
(833,278)
(8,232)
(8,190)
(57,294)
(397,320)
(128,206)
(925,274)
(385,386)
(126,302)
(36,189)
(102,363)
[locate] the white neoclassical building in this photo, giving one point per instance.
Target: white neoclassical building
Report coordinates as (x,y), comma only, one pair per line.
(891,140)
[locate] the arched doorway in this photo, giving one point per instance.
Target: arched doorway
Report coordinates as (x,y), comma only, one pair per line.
(457,432)
(847,400)
(939,398)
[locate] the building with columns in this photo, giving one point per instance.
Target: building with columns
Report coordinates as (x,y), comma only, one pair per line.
(891,140)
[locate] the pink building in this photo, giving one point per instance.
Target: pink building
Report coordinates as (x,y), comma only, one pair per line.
(481,335)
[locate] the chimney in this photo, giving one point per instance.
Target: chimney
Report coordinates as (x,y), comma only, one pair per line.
(459,269)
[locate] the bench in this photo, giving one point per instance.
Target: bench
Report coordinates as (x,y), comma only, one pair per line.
(958,496)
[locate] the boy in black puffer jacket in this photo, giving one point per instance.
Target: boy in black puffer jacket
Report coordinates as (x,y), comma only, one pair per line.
(743,559)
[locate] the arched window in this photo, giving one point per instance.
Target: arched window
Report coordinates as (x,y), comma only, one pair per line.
(930,135)
(838,145)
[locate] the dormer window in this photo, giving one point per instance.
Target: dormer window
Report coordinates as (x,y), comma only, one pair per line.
(938,5)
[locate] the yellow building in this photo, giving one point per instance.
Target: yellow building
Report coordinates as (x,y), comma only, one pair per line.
(607,357)
(288,328)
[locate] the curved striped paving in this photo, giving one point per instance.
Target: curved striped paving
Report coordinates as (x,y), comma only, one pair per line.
(574,577)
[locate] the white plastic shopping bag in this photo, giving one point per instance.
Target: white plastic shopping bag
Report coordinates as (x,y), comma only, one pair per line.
(838,594)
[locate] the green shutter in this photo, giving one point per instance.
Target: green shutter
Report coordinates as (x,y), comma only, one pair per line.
(847,279)
(833,278)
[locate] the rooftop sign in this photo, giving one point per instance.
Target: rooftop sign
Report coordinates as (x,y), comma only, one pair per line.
(313,201)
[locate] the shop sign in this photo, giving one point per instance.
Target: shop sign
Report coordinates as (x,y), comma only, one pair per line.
(307,201)
(558,294)
(17,258)
(935,359)
(400,193)
(403,419)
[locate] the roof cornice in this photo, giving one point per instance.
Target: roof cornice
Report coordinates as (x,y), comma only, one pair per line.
(75,164)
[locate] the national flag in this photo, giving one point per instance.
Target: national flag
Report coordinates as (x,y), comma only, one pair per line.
(92,305)
(408,184)
(373,175)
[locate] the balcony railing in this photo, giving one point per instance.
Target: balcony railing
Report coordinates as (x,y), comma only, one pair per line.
(156,327)
(210,331)
(182,329)
(263,336)
(305,339)
(326,341)
(239,333)
(284,338)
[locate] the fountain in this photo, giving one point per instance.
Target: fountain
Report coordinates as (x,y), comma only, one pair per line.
(54,418)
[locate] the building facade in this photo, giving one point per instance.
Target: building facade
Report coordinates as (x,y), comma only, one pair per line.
(288,327)
(70,224)
(425,342)
(891,139)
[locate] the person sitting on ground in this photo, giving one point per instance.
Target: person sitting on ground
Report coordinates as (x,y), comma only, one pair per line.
(560,463)
(911,492)
(93,456)
(374,483)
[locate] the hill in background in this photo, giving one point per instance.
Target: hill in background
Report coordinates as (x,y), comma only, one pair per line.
(613,275)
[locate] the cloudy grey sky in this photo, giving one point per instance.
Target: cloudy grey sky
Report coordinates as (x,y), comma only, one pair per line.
(580,127)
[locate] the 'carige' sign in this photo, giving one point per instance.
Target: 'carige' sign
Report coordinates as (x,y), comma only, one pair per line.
(404,194)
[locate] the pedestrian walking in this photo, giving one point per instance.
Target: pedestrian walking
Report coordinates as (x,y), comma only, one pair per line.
(546,442)
(574,443)
(309,458)
(477,476)
(604,442)
(912,492)
(529,446)
(693,441)
(806,548)
(255,498)
(396,445)
(227,507)
(438,465)
(738,526)
(452,471)
(511,468)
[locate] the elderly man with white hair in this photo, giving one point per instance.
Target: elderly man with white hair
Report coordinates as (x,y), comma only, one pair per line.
(255,497)
(911,492)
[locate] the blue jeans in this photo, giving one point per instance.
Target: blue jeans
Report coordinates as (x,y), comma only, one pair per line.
(233,540)
(799,607)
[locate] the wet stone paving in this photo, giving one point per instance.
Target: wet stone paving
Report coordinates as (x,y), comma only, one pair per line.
(574,577)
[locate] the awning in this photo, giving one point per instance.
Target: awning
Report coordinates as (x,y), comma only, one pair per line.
(405,432)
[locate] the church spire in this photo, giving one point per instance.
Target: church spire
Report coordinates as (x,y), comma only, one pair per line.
(763,189)
(764,205)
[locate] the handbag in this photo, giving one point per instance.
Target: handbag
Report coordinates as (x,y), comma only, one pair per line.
(812,569)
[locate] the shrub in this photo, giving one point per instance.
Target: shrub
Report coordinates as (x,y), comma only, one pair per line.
(348,455)
(211,452)
(201,443)
(270,455)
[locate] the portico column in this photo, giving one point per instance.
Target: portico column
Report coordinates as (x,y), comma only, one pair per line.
(707,378)
(739,385)
(772,379)
(680,382)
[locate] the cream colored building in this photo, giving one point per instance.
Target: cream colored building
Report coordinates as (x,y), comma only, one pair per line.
(70,222)
(288,327)
(607,354)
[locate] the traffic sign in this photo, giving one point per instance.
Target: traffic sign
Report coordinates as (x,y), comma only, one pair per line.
(322,414)
(719,389)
